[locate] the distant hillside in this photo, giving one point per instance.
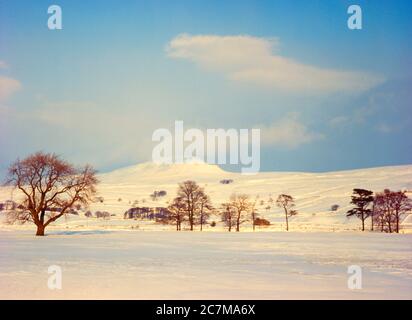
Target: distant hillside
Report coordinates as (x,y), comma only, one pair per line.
(315,193)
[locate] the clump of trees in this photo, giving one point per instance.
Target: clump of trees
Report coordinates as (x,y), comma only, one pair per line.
(191,204)
(389,208)
(158,194)
(385,209)
(102,214)
(334,207)
(50,188)
(193,207)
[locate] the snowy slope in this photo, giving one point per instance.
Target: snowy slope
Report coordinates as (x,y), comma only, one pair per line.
(315,193)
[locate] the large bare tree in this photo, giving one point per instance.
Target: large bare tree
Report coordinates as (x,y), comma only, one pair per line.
(50,188)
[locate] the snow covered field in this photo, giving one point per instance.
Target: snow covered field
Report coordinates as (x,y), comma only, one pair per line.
(136,259)
(209,265)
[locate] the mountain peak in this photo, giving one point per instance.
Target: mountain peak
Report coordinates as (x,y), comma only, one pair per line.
(150,170)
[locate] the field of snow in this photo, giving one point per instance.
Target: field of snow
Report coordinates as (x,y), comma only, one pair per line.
(136,259)
(219,265)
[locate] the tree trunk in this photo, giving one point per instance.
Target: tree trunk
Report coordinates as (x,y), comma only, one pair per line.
(397,222)
(287,222)
(372,214)
(191,221)
(40,230)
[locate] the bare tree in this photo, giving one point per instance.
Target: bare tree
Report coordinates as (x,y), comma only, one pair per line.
(176,212)
(374,212)
(205,207)
(401,204)
(50,187)
(253,213)
(379,215)
(228,216)
(392,206)
(287,202)
(382,210)
(241,205)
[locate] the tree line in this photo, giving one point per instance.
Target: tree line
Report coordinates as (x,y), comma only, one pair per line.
(384,209)
(52,187)
(194,206)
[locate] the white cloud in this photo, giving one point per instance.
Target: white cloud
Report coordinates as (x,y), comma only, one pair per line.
(256,61)
(7,87)
(288,132)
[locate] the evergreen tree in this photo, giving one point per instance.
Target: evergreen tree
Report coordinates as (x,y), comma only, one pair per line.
(361,198)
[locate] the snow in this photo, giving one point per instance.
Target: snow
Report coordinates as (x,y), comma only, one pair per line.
(315,193)
(194,265)
(136,259)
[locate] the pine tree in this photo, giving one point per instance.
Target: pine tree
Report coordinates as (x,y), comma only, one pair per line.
(361,198)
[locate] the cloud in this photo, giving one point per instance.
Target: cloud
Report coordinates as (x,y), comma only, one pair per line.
(288,132)
(256,61)
(7,87)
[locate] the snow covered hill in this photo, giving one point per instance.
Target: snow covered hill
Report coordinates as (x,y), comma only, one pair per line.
(118,258)
(315,193)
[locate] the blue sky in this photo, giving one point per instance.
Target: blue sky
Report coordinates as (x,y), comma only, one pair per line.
(326,97)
